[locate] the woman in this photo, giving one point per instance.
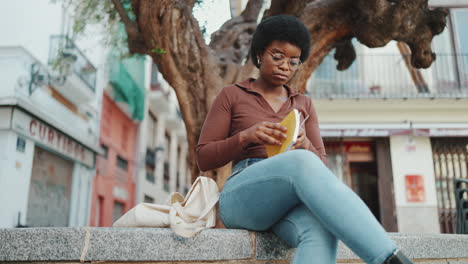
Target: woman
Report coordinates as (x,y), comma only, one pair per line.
(293,193)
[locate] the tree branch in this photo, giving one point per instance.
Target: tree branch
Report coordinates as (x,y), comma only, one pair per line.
(294,8)
(188,64)
(409,21)
(135,39)
(252,10)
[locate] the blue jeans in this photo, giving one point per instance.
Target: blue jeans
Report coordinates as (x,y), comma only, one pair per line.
(301,200)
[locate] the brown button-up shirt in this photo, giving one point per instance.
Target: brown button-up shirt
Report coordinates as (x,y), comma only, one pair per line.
(238,107)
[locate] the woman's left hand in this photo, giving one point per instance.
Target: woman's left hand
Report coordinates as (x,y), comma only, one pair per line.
(302,141)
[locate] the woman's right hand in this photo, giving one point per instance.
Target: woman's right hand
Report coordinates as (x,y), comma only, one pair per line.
(264,133)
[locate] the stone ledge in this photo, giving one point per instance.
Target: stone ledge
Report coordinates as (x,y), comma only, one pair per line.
(416,246)
(159,245)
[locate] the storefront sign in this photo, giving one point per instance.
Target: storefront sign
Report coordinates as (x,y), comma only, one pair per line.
(442,132)
(415,188)
(355,132)
(358,147)
(433,132)
(51,138)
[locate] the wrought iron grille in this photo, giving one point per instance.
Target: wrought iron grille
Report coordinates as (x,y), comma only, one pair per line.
(450,157)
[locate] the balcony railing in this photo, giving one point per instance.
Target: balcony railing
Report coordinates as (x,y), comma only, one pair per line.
(388,76)
(127,89)
(66,58)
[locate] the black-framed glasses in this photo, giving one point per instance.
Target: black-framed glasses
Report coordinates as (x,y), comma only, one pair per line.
(279,58)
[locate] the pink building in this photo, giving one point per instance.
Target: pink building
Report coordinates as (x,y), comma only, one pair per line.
(114,185)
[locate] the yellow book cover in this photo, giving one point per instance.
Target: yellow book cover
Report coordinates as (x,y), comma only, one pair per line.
(292,122)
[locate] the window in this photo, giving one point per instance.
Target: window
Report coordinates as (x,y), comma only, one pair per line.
(152,131)
(178,169)
(150,174)
(451,46)
(460,20)
(148,199)
(118,211)
(124,141)
(99,211)
(105,151)
(122,163)
(166,176)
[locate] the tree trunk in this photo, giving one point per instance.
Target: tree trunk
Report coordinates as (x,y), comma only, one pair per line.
(198,71)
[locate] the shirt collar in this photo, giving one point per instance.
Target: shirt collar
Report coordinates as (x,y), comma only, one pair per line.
(247,85)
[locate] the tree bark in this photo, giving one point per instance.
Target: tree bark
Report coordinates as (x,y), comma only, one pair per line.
(198,71)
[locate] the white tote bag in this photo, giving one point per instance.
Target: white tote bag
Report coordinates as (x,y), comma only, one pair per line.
(186,217)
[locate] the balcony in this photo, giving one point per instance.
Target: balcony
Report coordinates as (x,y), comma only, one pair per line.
(26,80)
(387,76)
(159,100)
(74,76)
(126,89)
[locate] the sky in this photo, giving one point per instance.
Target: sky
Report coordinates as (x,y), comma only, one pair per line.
(212,14)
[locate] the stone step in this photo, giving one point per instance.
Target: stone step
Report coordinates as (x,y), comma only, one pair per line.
(160,245)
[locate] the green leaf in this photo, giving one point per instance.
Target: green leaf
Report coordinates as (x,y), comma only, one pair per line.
(159,51)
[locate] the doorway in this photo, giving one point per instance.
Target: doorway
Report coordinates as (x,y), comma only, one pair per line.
(364,181)
(50,190)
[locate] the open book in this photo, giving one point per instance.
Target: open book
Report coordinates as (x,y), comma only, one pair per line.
(293,122)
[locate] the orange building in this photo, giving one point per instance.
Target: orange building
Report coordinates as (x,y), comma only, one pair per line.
(114,185)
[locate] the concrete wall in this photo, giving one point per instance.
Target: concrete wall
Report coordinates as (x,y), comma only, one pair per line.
(414,159)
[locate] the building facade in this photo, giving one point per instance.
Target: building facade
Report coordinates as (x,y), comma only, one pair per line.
(49,117)
(86,134)
(397,135)
(114,184)
(163,147)
(143,142)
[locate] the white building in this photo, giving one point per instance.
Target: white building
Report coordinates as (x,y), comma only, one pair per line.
(163,147)
(50,89)
(399,136)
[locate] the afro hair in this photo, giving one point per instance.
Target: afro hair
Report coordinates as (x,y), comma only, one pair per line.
(284,28)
